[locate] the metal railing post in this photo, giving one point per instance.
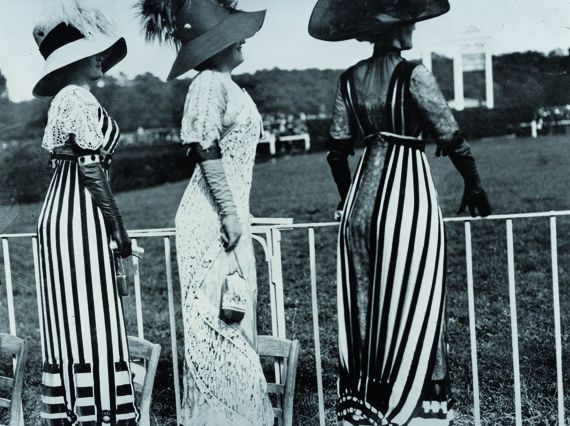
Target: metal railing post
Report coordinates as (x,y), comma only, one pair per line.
(138,296)
(557,327)
(472,325)
(277,276)
(9,286)
(316,331)
(514,323)
(172,319)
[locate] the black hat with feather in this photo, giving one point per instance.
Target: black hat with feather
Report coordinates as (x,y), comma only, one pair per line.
(200,28)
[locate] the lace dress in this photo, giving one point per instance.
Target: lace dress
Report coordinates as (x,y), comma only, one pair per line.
(223,380)
(86,378)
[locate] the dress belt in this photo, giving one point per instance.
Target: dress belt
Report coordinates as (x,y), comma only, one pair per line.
(401,140)
(87,158)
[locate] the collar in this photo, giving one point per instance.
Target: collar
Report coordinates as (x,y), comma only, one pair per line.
(380,50)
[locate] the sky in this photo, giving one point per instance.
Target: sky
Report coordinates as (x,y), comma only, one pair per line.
(283,42)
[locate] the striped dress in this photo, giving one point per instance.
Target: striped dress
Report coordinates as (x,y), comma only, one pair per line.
(86,378)
(391,271)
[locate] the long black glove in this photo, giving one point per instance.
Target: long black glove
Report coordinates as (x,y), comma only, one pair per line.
(93,178)
(474,196)
(339,150)
(210,161)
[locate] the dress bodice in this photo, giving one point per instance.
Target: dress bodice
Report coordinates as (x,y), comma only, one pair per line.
(76,115)
(371,82)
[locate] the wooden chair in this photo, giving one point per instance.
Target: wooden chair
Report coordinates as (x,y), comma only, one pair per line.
(10,347)
(144,357)
(287,352)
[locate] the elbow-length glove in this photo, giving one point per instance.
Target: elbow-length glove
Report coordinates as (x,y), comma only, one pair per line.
(339,150)
(474,196)
(210,161)
(94,179)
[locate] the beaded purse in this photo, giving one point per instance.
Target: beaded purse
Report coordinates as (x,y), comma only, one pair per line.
(234,296)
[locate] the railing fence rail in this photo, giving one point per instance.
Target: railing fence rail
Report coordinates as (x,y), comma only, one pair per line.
(268,233)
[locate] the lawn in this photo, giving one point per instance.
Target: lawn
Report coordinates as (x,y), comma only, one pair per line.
(520,175)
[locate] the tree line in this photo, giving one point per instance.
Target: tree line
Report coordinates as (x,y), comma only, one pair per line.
(523,83)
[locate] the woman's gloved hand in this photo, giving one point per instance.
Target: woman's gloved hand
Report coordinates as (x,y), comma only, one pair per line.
(92,176)
(121,237)
(476,200)
(231,231)
(474,196)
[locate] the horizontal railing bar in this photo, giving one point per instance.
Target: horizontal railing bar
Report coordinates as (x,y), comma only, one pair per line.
(262,224)
(508,216)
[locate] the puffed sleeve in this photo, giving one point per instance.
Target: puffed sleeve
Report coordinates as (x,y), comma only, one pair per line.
(340,124)
(74,111)
(432,105)
(204,110)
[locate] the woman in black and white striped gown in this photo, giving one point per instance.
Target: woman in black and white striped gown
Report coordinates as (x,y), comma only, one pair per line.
(86,378)
(391,253)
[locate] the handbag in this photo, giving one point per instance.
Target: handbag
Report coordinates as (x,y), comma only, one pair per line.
(234,295)
(121,274)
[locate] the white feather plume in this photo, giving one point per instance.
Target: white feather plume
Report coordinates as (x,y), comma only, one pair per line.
(85,15)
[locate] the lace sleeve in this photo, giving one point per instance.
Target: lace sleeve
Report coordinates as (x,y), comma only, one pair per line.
(432,105)
(204,110)
(340,124)
(75,111)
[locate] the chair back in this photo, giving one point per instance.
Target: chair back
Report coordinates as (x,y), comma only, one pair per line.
(144,357)
(13,348)
(287,353)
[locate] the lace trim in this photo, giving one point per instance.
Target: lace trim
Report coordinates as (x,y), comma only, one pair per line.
(74,110)
(432,105)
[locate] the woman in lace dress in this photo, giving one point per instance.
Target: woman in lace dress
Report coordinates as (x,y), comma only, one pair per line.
(391,246)
(86,377)
(223,380)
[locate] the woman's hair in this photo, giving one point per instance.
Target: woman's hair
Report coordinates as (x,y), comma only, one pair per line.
(63,76)
(206,65)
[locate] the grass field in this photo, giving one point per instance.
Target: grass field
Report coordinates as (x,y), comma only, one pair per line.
(520,175)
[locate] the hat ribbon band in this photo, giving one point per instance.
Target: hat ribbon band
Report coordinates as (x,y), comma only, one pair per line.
(58,37)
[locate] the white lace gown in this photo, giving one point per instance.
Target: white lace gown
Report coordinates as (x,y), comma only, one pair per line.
(223,380)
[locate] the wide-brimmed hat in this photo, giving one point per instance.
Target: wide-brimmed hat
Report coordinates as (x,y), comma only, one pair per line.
(64,45)
(336,20)
(202,28)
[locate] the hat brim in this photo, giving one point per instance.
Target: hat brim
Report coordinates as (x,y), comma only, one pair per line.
(237,26)
(114,50)
(338,20)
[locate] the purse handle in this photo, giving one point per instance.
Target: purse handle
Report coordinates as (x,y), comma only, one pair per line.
(238,266)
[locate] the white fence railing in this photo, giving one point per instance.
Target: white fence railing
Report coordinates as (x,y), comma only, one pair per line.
(268,233)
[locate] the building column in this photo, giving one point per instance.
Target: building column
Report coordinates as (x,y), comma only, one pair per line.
(489,90)
(458,81)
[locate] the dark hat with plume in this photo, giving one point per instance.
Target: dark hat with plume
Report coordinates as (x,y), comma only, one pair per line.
(335,20)
(200,28)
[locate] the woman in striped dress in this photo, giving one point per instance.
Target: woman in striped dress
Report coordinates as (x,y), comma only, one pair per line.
(86,378)
(391,253)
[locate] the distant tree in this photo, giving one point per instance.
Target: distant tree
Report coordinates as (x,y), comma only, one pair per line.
(3,87)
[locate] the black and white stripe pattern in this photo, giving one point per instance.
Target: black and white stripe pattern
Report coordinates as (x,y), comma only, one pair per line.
(382,378)
(85,376)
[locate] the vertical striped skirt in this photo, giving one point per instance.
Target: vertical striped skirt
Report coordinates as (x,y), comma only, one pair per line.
(86,378)
(391,270)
